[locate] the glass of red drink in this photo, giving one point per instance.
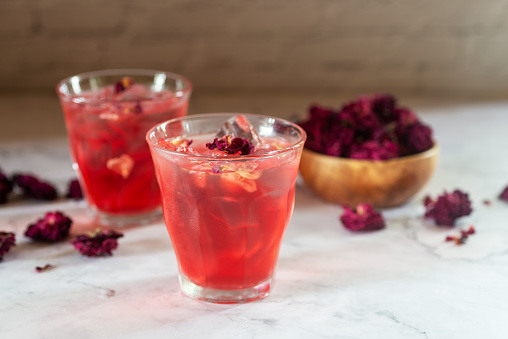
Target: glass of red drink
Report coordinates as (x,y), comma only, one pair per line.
(226,213)
(107,114)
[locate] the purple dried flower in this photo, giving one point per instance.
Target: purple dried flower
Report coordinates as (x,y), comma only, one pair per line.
(404,119)
(317,127)
(5,187)
(360,113)
(374,150)
(384,106)
(219,144)
(240,146)
(236,146)
(419,138)
(34,187)
(123,84)
(7,240)
(99,243)
(74,190)
(504,194)
(328,132)
(339,141)
(370,127)
(362,218)
(448,207)
(53,227)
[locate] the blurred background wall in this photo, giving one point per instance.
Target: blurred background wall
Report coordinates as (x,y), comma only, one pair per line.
(432,46)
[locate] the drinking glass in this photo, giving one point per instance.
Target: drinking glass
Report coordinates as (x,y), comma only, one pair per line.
(107,114)
(226,215)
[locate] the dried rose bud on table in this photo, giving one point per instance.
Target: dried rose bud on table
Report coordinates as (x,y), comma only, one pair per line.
(98,243)
(504,194)
(54,227)
(7,240)
(33,187)
(74,190)
(448,207)
(362,218)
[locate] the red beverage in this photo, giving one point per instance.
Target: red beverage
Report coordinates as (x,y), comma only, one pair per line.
(226,215)
(106,129)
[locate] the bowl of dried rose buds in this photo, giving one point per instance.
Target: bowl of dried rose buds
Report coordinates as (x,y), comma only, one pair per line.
(369,151)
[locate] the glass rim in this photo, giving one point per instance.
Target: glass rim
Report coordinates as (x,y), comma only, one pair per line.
(298,144)
(124,72)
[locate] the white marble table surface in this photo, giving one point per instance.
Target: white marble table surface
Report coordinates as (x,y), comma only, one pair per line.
(401,282)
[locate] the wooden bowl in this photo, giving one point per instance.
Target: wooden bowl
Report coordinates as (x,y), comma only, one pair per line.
(384,183)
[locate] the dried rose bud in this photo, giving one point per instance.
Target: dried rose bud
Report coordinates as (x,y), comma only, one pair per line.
(99,243)
(46,267)
(33,187)
(360,113)
(504,194)
(374,150)
(384,106)
(405,119)
(5,187)
(236,146)
(362,218)
(419,138)
(74,190)
(53,227)
(7,240)
(448,207)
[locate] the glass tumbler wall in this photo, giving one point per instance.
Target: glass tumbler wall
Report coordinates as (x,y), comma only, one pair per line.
(226,215)
(107,114)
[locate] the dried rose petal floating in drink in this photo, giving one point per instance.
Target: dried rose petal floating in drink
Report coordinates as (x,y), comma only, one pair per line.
(448,207)
(33,187)
(53,227)
(74,190)
(7,240)
(464,235)
(370,127)
(123,84)
(362,218)
(98,243)
(234,146)
(5,187)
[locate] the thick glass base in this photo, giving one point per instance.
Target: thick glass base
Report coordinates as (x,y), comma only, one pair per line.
(212,295)
(126,220)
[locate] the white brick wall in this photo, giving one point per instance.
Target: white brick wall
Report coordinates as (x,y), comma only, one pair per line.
(431,46)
